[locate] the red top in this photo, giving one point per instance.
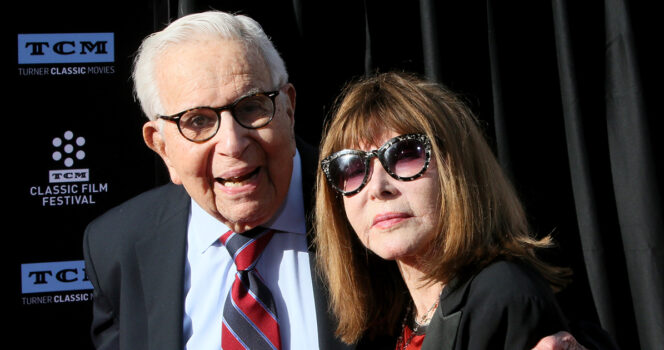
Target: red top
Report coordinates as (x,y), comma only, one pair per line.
(415,343)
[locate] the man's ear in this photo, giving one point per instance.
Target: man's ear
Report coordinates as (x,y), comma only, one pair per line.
(289,89)
(289,92)
(154,138)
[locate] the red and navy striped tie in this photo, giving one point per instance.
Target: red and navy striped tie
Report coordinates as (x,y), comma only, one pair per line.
(250,315)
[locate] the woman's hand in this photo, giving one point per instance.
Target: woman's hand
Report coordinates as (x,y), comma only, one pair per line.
(559,341)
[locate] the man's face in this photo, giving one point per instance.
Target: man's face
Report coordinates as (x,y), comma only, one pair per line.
(240,176)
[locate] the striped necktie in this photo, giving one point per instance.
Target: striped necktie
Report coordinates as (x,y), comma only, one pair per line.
(250,315)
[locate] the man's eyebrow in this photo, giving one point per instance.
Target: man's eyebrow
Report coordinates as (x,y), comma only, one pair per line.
(251,91)
(245,94)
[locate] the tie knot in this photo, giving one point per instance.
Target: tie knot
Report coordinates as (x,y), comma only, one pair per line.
(245,248)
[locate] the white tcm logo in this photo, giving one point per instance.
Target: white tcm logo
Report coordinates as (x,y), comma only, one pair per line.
(66,149)
(70,184)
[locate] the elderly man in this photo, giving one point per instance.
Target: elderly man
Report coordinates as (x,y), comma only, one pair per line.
(159,263)
(178,266)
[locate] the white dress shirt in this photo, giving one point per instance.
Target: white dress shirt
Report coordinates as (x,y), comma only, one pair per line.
(284,265)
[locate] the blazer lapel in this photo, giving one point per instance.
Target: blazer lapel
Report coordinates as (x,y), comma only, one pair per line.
(161,260)
(443,330)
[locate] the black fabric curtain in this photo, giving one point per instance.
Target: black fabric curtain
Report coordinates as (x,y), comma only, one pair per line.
(567,94)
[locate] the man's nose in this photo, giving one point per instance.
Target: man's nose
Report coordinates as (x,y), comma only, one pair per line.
(231,138)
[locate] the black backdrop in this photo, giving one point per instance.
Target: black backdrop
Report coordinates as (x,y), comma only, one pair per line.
(567,93)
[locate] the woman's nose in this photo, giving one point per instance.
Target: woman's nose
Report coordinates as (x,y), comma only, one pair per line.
(380,184)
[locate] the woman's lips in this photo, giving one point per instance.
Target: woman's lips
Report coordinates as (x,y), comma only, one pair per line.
(386,220)
(237,180)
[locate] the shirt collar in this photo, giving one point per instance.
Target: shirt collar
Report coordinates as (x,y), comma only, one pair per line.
(205,230)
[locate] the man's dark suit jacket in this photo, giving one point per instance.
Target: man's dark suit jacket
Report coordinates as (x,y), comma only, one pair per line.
(505,306)
(135,258)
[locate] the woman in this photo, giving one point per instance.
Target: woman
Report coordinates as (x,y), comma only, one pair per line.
(429,244)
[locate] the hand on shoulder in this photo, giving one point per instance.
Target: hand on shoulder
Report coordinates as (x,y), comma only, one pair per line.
(559,341)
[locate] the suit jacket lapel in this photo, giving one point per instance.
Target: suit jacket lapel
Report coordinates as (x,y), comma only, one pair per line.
(442,332)
(309,160)
(326,328)
(443,329)
(161,259)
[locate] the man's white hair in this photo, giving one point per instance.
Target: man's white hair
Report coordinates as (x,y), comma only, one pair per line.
(189,28)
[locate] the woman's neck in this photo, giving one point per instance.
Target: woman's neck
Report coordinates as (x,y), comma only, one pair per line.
(425,293)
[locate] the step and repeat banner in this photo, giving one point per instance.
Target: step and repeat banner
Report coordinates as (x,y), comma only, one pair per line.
(73,149)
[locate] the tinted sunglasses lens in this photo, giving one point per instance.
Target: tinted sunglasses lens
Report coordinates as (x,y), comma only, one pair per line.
(406,158)
(347,172)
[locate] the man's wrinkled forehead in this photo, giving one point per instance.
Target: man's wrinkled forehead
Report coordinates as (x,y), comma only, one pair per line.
(186,70)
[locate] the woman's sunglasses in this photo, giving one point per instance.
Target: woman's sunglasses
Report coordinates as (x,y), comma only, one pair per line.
(404,157)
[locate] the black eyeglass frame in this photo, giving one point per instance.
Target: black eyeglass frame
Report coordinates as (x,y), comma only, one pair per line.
(378,153)
(217,110)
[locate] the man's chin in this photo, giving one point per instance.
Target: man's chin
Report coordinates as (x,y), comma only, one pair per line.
(241,227)
(244,220)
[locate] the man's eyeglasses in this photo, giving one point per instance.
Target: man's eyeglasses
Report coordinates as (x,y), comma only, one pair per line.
(200,124)
(404,157)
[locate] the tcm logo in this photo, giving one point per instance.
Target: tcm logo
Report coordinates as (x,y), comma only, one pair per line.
(54,277)
(66,48)
(68,149)
(75,175)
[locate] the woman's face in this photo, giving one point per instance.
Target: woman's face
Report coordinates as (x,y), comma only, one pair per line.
(395,219)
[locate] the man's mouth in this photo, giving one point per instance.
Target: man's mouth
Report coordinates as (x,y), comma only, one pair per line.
(239,180)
